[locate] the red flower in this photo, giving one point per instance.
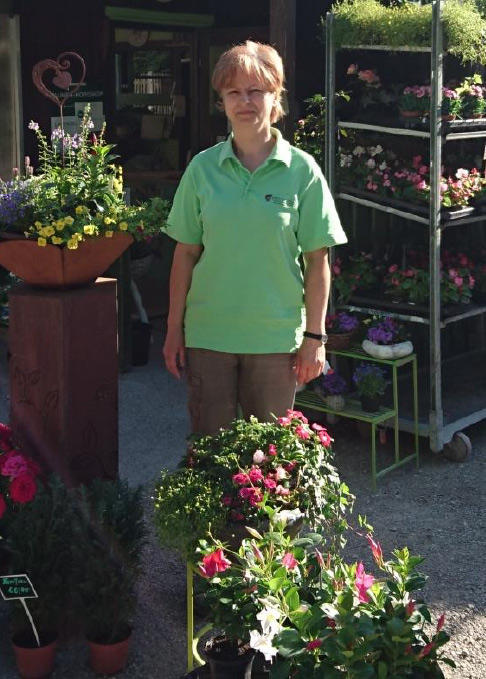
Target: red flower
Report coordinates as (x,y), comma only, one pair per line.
(227,501)
(3,506)
(376,550)
(363,582)
(290,466)
(331,623)
(440,622)
(241,479)
(14,465)
(289,561)
(213,563)
(315,643)
(302,432)
(23,488)
(284,421)
(255,475)
(272,449)
(296,414)
(324,438)
(269,483)
(253,495)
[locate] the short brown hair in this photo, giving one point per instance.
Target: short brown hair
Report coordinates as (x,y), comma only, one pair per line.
(257,59)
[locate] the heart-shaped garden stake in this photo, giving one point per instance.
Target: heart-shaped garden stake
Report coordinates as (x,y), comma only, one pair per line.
(62,77)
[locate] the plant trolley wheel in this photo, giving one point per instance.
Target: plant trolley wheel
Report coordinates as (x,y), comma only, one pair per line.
(459,447)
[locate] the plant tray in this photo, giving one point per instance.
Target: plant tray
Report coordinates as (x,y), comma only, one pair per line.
(382,303)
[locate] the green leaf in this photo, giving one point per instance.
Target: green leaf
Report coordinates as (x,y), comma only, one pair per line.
(276,583)
(292,598)
(281,669)
(289,643)
(382,670)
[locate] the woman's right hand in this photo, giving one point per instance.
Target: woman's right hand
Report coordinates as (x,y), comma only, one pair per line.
(174,351)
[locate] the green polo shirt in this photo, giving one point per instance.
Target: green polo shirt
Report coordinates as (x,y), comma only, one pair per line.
(246,294)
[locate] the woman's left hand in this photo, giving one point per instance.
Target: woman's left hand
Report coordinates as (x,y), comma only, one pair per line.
(310,360)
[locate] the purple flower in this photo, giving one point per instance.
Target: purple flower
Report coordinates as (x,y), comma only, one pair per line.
(333,383)
(346,322)
(385,331)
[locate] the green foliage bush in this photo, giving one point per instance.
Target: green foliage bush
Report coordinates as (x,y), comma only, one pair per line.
(367,22)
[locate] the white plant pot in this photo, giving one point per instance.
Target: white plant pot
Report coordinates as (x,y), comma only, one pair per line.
(334,401)
(387,351)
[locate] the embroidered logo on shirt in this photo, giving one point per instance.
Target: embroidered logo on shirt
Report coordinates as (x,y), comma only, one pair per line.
(283,202)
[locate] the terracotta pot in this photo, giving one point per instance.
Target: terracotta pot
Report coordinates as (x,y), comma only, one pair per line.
(238,667)
(109,658)
(410,114)
(34,662)
(55,267)
(339,341)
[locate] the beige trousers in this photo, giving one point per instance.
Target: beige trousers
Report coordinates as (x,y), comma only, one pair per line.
(261,384)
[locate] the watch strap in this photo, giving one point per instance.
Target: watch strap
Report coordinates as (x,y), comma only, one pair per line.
(312,335)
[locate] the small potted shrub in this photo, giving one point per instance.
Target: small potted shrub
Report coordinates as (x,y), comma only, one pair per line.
(414,102)
(340,329)
(370,384)
(332,387)
(109,535)
(385,339)
(471,92)
(38,541)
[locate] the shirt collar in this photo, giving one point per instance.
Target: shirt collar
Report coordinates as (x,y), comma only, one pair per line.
(280,152)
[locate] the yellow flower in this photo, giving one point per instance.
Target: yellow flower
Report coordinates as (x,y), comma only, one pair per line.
(56,240)
(108,234)
(38,224)
(90,229)
(77,236)
(48,231)
(41,242)
(108,220)
(59,225)
(80,209)
(123,226)
(68,221)
(72,244)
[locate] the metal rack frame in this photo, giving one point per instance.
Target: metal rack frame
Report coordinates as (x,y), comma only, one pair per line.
(438,432)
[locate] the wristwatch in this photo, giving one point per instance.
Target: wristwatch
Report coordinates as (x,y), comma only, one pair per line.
(312,335)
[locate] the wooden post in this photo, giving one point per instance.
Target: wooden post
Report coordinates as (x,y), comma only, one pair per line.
(282,37)
(64,379)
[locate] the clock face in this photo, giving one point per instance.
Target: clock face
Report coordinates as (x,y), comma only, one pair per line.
(137,38)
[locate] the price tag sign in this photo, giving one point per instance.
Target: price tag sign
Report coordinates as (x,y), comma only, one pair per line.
(17,587)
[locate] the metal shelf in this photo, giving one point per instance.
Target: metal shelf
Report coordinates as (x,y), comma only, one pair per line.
(479,134)
(372,310)
(386,48)
(383,208)
(475,311)
(387,130)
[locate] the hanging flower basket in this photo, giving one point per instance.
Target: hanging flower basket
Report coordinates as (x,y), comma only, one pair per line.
(53,266)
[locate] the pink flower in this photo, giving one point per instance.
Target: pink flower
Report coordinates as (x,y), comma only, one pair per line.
(324,438)
(362,583)
(336,269)
(416,161)
(421,185)
(256,498)
(302,432)
(259,457)
(281,490)
(440,622)
(393,268)
(255,475)
(368,76)
(227,501)
(318,427)
(14,465)
(257,552)
(296,414)
(452,273)
(352,69)
(458,280)
(375,549)
(409,273)
(280,473)
(284,421)
(290,466)
(241,479)
(289,561)
(213,563)
(319,558)
(3,506)
(315,643)
(269,483)
(272,449)
(23,488)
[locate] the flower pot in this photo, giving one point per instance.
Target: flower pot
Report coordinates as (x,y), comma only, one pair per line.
(339,341)
(109,658)
(410,114)
(55,267)
(227,660)
(387,351)
(370,404)
(34,662)
(334,401)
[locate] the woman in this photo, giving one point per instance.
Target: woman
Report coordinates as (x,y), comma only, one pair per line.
(244,211)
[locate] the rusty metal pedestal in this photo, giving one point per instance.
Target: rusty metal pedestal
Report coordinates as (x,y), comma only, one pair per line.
(64,378)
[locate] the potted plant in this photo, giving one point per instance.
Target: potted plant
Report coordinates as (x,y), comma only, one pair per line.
(286,464)
(340,329)
(370,384)
(109,535)
(451,104)
(385,339)
(414,102)
(73,209)
(332,387)
(456,285)
(410,284)
(38,541)
(359,272)
(471,92)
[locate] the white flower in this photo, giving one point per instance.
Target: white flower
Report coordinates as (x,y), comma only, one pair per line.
(370,163)
(358,150)
(280,473)
(270,621)
(33,125)
(462,173)
(262,643)
(259,457)
(287,516)
(383,165)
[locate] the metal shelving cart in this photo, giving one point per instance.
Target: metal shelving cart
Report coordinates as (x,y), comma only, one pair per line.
(453,403)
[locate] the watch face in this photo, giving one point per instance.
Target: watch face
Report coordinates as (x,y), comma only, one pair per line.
(137,38)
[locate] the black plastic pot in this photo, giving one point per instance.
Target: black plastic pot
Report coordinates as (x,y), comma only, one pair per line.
(370,404)
(223,664)
(141,335)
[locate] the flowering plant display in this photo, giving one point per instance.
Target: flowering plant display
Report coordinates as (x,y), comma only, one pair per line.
(369,380)
(340,323)
(77,194)
(251,466)
(458,190)
(358,272)
(384,330)
(451,102)
(471,92)
(410,284)
(18,476)
(456,283)
(332,384)
(311,614)
(415,98)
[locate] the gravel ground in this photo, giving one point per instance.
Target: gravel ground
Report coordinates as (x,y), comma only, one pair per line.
(438,511)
